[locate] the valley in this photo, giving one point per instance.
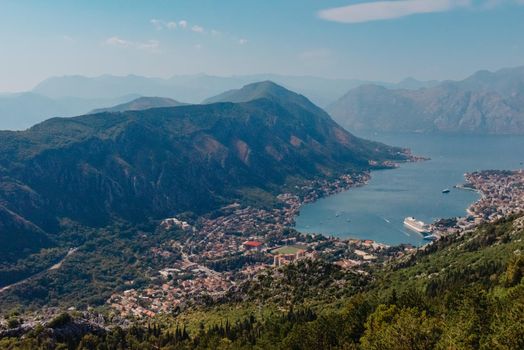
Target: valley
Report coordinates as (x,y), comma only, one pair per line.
(159,238)
(74,181)
(262,175)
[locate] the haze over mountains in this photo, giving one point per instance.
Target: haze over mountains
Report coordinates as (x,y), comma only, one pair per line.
(21,110)
(485,103)
(76,95)
(154,163)
(196,88)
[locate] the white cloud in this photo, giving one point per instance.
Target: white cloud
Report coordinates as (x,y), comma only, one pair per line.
(183,24)
(158,24)
(150,45)
(161,24)
(197,29)
(380,10)
(198,46)
(116,41)
(171,25)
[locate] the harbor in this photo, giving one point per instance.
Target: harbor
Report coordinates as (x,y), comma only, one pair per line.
(377,210)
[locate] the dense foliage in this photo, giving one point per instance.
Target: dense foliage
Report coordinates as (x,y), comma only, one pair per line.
(462,293)
(107,260)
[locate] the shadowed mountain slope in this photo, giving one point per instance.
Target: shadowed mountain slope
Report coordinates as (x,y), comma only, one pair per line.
(159,162)
(485,103)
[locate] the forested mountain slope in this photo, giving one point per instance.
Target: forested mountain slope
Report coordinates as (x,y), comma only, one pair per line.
(464,292)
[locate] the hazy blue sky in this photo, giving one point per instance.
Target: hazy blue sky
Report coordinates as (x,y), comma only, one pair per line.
(385,40)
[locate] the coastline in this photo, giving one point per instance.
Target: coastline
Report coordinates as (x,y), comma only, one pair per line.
(388,165)
(501,194)
(495,199)
(463,187)
(350,180)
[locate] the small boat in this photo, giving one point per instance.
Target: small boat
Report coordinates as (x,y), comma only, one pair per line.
(446,190)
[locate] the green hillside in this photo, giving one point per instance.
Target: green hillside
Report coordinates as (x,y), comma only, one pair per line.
(461,293)
(99,182)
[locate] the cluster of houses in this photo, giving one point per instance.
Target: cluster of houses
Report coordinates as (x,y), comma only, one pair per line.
(253,239)
(169,223)
(502,193)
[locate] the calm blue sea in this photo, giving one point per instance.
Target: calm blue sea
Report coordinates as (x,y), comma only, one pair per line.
(377,210)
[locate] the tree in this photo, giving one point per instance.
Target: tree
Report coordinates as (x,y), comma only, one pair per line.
(401,329)
(514,270)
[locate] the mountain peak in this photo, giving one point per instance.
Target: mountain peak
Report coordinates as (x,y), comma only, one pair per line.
(484,103)
(265,90)
(141,103)
(253,91)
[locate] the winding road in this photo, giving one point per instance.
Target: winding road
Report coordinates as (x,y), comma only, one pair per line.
(54,267)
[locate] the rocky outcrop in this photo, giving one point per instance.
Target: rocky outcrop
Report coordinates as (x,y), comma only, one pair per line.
(485,103)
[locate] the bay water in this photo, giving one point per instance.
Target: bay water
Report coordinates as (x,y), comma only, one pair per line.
(377,210)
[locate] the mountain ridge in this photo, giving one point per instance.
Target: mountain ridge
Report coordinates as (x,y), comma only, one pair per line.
(135,165)
(140,103)
(484,103)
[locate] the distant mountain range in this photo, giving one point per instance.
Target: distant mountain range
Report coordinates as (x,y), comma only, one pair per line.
(485,103)
(22,110)
(196,88)
(189,88)
(76,95)
(155,163)
(141,103)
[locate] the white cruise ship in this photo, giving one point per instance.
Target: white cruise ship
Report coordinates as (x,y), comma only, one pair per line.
(416,225)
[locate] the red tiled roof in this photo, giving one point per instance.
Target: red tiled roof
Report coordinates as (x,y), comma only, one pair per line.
(253,244)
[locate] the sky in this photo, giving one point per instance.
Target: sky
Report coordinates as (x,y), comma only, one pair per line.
(371,40)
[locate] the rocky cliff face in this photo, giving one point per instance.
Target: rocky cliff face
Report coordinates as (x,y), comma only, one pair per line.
(485,103)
